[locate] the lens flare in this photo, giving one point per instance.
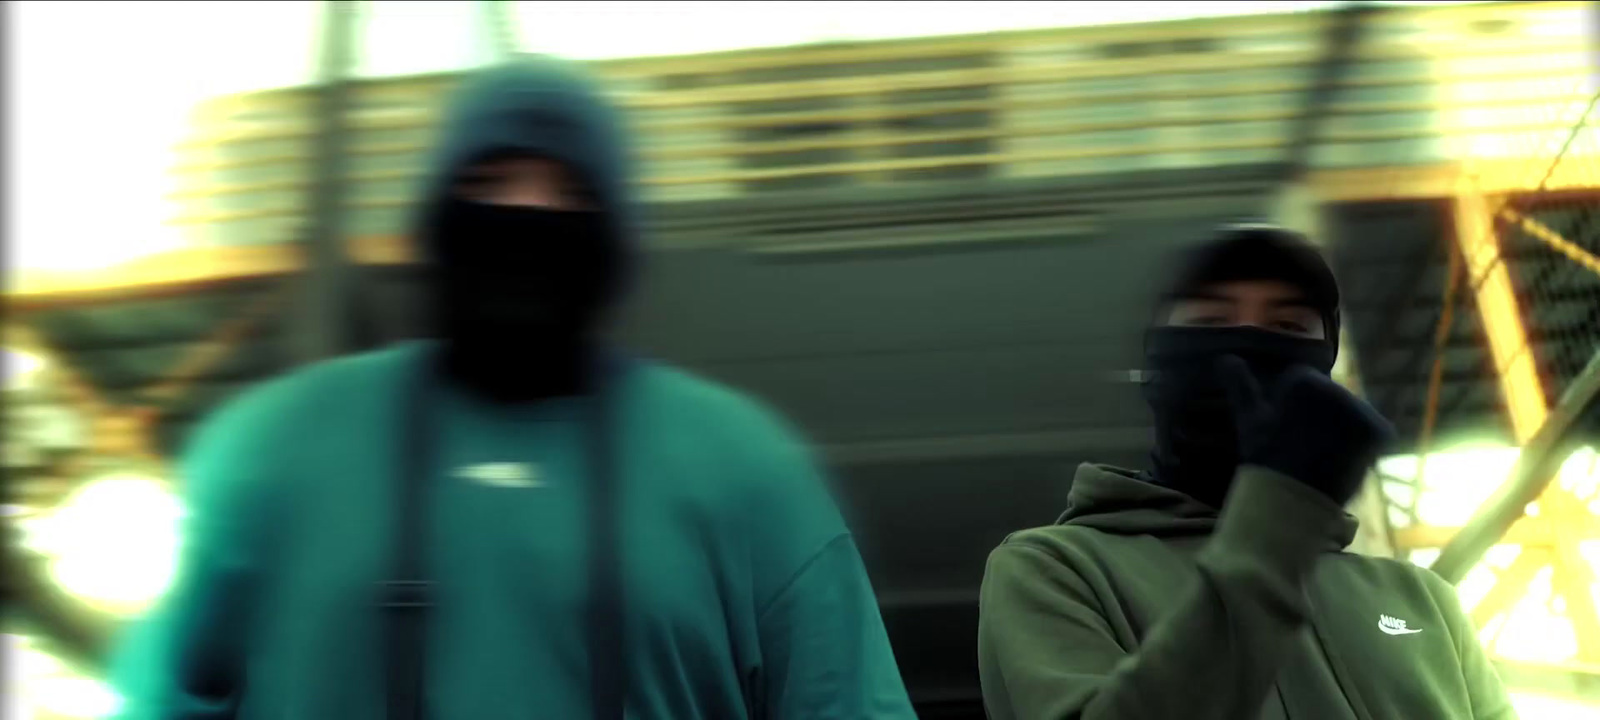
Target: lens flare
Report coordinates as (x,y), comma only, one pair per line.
(113,543)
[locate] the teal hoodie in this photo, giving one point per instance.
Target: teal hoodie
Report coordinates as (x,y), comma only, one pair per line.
(745,595)
(1143,603)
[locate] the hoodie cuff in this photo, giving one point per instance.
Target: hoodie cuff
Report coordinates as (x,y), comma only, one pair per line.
(1277,521)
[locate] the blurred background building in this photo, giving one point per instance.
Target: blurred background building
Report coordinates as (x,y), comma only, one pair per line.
(924,231)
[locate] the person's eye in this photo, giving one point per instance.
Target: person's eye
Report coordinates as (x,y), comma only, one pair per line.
(1290,326)
(1207,320)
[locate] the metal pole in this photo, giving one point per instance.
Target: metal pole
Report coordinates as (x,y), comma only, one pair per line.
(499,27)
(1541,457)
(325,309)
(1347,26)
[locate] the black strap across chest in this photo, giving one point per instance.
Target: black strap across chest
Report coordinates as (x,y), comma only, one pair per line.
(409,595)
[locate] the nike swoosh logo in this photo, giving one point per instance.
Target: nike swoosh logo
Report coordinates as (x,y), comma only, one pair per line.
(1398,631)
(1395,626)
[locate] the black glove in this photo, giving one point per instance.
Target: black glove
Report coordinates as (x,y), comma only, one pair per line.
(1309,428)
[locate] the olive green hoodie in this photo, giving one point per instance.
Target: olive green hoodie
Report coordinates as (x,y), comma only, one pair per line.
(1142,603)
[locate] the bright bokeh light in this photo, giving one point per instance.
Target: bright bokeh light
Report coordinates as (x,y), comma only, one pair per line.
(16,703)
(1532,631)
(1455,483)
(38,683)
(113,543)
(1540,706)
(20,367)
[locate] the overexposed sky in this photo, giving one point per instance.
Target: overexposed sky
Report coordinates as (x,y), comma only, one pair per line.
(100,91)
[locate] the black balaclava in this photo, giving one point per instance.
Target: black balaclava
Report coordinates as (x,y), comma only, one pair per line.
(522,294)
(1196,443)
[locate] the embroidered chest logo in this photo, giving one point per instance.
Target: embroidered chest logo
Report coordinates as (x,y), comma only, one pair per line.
(1395,626)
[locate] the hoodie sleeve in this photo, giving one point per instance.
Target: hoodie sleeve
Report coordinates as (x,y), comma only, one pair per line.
(185,659)
(825,654)
(824,646)
(1484,689)
(1047,650)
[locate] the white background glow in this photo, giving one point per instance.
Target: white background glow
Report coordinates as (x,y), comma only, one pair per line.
(113,543)
(37,681)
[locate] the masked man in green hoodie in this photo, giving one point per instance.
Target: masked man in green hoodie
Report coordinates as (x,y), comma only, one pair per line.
(514,521)
(1215,586)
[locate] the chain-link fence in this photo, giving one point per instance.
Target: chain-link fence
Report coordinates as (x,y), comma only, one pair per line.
(1526,265)
(1544,244)
(1555,240)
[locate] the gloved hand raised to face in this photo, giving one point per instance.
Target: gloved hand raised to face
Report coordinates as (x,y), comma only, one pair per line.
(1305,426)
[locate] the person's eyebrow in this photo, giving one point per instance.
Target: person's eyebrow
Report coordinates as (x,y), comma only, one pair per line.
(1207,296)
(1296,303)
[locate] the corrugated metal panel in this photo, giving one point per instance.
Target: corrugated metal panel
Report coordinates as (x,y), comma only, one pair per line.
(1040,104)
(1392,262)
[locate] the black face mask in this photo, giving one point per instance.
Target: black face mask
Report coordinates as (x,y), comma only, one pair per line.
(520,294)
(1197,446)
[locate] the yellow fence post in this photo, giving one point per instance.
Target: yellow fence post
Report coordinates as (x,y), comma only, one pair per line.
(1517,373)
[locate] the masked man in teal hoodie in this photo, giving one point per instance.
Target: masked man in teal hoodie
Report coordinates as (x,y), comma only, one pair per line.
(514,521)
(1214,587)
